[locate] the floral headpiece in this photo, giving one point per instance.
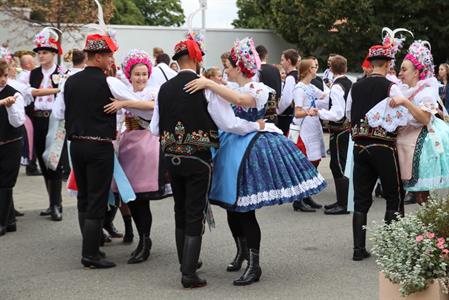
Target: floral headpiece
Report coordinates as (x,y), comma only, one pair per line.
(380,52)
(133,58)
(104,42)
(245,56)
(420,55)
(5,54)
(390,40)
(191,46)
(48,39)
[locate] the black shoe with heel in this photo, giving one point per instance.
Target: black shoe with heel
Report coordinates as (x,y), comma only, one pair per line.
(240,257)
(253,271)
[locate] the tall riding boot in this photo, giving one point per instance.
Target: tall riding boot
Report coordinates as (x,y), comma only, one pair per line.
(190,256)
(390,215)
(179,236)
(359,235)
(143,253)
(11,225)
(54,189)
(91,243)
(5,205)
(341,189)
(46,212)
(109,225)
(129,234)
(253,270)
(242,254)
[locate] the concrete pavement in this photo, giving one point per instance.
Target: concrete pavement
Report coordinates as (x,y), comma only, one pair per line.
(303,256)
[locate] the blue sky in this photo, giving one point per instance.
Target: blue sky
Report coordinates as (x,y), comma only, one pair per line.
(219,14)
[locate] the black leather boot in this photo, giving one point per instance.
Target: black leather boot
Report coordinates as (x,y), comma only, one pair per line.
(190,256)
(31,169)
(242,254)
(253,270)
(341,189)
(300,205)
(390,215)
(5,206)
(409,198)
(109,225)
(11,225)
(144,253)
(91,238)
(330,205)
(312,203)
(81,219)
(54,190)
(359,235)
(129,234)
(179,236)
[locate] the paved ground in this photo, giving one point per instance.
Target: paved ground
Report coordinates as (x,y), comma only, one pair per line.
(303,256)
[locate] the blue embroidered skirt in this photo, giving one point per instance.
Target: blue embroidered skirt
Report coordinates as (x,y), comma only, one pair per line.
(261,169)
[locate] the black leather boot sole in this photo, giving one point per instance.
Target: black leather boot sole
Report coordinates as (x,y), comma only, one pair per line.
(96,263)
(330,206)
(338,210)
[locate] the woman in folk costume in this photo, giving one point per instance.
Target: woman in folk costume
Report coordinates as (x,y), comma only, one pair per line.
(423,144)
(237,184)
(310,140)
(139,150)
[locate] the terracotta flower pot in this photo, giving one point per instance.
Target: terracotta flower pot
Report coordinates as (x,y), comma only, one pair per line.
(390,291)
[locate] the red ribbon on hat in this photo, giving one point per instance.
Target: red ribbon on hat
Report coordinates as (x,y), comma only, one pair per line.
(58,45)
(194,50)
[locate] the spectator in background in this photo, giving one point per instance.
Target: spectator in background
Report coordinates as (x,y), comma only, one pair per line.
(282,73)
(157,51)
(328,76)
(174,66)
(161,72)
(27,63)
(214,74)
(225,62)
(443,76)
(268,74)
(317,81)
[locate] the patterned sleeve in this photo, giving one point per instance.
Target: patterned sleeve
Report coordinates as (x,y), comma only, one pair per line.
(259,91)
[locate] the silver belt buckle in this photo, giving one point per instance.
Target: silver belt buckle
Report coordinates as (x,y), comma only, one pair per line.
(176,160)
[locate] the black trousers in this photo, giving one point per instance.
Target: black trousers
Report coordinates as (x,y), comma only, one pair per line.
(40,125)
(9,164)
(338,145)
(375,159)
(284,123)
(190,181)
(93,165)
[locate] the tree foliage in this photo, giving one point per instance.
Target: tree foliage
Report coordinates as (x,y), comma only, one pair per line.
(348,27)
(161,12)
(127,12)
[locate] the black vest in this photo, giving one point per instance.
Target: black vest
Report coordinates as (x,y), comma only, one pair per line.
(7,131)
(346,85)
(270,76)
(366,93)
(85,95)
(185,126)
(290,111)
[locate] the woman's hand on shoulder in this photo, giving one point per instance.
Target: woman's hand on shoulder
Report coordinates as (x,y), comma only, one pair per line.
(198,84)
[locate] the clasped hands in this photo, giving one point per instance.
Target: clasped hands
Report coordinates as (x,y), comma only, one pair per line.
(8,101)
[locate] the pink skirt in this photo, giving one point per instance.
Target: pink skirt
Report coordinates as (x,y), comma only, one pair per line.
(139,157)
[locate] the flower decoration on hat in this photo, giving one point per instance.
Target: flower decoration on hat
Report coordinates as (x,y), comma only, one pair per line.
(48,39)
(101,43)
(382,52)
(389,39)
(5,54)
(192,46)
(133,58)
(420,55)
(245,56)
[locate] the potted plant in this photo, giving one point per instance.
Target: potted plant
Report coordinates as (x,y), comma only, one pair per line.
(413,253)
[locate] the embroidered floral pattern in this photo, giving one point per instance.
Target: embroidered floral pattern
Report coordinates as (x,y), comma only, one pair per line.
(364,130)
(188,144)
